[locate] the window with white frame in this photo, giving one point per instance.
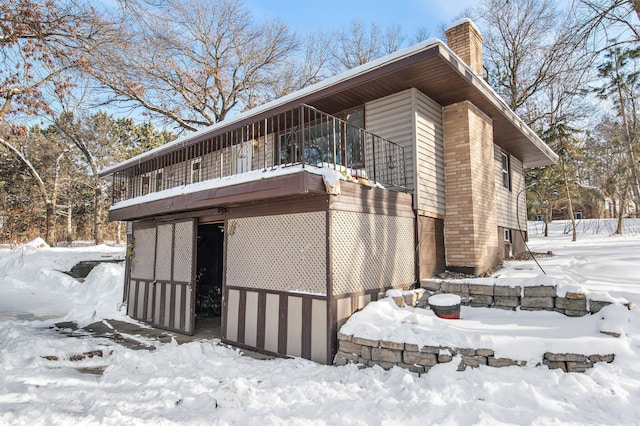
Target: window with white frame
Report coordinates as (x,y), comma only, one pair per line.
(196,170)
(506,171)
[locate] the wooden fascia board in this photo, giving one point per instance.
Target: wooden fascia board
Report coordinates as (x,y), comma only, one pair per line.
(295,185)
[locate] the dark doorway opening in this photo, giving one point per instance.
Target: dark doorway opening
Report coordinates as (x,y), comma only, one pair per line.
(210,250)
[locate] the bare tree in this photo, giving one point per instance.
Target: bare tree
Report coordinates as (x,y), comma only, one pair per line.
(529,47)
(621,83)
(29,146)
(39,45)
(358,44)
(308,66)
(85,142)
(607,166)
(191,61)
(608,22)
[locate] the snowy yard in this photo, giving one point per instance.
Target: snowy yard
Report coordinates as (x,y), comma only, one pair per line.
(204,383)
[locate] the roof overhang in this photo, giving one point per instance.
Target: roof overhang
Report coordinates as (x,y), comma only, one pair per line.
(429,66)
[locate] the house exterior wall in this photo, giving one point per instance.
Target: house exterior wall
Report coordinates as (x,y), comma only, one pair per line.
(276,285)
(431,248)
(291,324)
(283,253)
(430,197)
(371,252)
(392,118)
(506,209)
(470,223)
(414,120)
(297,269)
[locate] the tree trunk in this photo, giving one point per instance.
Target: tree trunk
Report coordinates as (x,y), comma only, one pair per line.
(69,225)
(547,218)
(50,237)
(569,202)
(49,201)
(620,215)
(629,139)
(636,7)
(98,223)
(118,233)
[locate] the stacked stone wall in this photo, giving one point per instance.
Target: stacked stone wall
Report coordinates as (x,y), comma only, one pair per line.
(385,354)
(419,359)
(529,298)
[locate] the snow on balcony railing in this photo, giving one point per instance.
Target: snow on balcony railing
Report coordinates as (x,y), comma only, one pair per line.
(301,136)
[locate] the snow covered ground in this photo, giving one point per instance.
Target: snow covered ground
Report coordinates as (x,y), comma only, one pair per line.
(204,383)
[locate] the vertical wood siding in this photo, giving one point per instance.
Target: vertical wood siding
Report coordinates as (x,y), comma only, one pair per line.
(288,324)
(160,289)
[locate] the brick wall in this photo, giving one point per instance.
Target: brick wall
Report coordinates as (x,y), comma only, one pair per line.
(471,240)
(466,41)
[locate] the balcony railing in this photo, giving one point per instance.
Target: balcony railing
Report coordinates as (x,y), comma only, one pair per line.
(300,136)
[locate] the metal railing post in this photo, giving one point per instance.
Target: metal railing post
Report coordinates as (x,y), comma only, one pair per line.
(302,135)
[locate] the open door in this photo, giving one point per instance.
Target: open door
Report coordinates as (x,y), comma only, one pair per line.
(162,283)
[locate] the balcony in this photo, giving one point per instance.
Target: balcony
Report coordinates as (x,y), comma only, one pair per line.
(302,136)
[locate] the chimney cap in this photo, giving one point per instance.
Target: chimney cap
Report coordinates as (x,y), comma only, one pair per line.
(460,22)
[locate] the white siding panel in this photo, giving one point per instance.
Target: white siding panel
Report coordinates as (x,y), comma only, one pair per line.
(429,155)
(251,319)
(294,326)
(271,322)
(506,200)
(391,117)
(319,331)
(233,307)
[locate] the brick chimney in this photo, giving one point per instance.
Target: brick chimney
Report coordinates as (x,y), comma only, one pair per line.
(464,38)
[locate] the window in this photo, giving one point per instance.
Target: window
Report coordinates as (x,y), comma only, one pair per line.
(151,182)
(506,171)
(326,140)
(195,170)
(355,148)
(144,188)
(158,180)
(578,215)
(320,142)
(507,235)
(243,157)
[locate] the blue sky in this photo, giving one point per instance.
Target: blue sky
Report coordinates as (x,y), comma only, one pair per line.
(328,15)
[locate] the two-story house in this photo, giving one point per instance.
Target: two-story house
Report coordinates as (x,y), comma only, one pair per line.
(306,208)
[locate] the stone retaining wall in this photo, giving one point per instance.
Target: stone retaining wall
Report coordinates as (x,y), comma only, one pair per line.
(385,354)
(543,297)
